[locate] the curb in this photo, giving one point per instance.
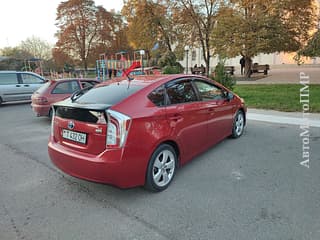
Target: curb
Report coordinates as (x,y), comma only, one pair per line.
(311,120)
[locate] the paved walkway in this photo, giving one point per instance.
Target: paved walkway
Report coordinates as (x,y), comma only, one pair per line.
(286,74)
(292,118)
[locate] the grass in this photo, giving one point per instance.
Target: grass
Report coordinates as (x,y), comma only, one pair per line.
(281,97)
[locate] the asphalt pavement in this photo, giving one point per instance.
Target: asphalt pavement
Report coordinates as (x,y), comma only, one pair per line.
(249,188)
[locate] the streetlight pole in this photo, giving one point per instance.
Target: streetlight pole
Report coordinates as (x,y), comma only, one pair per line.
(186,48)
(142,52)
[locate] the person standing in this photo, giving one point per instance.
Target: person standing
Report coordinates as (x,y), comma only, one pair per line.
(242,64)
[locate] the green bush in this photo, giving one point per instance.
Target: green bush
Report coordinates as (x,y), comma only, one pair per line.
(172,70)
(221,76)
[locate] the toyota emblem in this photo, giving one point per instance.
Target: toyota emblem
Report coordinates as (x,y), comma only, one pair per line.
(71,125)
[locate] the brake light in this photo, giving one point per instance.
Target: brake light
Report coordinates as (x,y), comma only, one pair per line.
(52,122)
(118,128)
(112,134)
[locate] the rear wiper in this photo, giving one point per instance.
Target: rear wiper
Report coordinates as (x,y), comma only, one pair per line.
(79,93)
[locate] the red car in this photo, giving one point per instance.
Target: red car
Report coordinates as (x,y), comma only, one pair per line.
(54,91)
(138,132)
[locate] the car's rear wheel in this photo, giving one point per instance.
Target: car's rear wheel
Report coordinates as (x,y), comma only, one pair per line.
(161,168)
(238,124)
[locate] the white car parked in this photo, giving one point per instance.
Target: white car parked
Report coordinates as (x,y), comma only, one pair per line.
(17,86)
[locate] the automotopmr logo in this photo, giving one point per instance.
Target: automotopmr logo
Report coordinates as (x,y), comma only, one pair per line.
(305,126)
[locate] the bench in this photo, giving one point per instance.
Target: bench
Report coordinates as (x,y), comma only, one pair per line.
(229,69)
(198,70)
(256,68)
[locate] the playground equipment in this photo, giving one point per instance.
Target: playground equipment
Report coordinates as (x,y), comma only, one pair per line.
(120,64)
(33,65)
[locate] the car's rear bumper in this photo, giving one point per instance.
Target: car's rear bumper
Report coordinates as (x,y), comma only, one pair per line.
(108,167)
(40,110)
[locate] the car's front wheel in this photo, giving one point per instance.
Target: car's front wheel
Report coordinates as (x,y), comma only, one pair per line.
(161,168)
(238,124)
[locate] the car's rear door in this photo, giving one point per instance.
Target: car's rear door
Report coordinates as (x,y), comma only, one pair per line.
(186,117)
(10,88)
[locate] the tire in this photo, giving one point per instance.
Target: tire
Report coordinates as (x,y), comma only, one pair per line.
(161,168)
(0,100)
(238,125)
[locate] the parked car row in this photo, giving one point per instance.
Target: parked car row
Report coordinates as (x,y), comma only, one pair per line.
(129,132)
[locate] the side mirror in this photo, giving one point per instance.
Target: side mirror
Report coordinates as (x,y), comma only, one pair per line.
(230,96)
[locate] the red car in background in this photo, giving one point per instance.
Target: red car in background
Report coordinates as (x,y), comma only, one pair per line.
(137,132)
(56,90)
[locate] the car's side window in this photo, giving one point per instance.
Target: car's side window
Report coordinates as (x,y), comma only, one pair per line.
(209,91)
(86,84)
(157,96)
(8,78)
(181,92)
(66,87)
(30,79)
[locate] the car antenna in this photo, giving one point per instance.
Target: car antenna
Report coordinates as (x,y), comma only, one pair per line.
(127,75)
(129,78)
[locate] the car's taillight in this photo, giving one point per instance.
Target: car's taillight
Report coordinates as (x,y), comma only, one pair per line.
(52,122)
(41,100)
(118,127)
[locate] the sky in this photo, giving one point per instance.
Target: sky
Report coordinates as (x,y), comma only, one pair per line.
(21,19)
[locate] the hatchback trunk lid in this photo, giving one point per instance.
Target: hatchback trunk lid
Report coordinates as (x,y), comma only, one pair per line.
(81,129)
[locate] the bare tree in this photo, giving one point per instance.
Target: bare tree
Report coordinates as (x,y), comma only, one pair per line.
(37,48)
(196,18)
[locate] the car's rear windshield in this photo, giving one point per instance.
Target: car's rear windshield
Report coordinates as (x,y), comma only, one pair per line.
(43,88)
(109,94)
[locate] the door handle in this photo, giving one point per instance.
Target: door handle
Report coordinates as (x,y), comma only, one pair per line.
(18,86)
(26,85)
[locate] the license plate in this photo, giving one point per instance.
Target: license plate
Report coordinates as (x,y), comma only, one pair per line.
(74,136)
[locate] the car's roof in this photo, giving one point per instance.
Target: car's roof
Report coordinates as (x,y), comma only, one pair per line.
(25,72)
(145,80)
(72,79)
(12,71)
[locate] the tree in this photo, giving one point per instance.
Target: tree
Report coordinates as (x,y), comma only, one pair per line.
(312,49)
(78,28)
(85,30)
(196,19)
(149,24)
(60,59)
(37,48)
(262,26)
(14,58)
(112,34)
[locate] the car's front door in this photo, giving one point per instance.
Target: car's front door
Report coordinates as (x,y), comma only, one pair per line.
(219,110)
(10,88)
(186,117)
